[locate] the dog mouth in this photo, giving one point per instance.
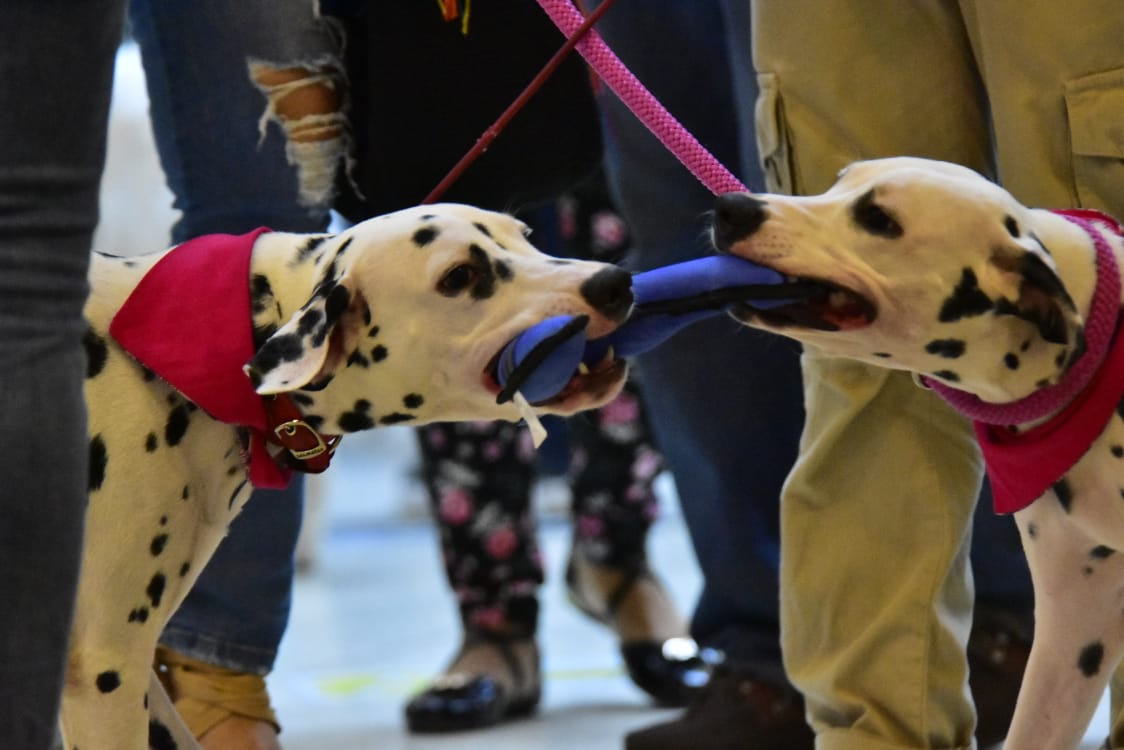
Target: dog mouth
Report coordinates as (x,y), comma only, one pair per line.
(587,383)
(816,305)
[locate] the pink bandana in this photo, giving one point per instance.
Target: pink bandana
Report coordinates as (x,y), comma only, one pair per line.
(1022,467)
(189,320)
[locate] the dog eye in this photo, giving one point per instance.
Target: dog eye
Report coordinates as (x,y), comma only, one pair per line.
(874,219)
(457,280)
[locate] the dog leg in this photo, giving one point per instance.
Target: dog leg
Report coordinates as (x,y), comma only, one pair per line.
(107,709)
(166,728)
(1079,629)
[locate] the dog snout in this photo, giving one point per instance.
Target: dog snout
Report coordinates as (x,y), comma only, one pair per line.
(609,292)
(736,216)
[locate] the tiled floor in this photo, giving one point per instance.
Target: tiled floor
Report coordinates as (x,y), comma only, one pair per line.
(373,619)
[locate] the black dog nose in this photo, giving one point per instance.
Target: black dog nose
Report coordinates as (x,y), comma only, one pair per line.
(609,291)
(737,216)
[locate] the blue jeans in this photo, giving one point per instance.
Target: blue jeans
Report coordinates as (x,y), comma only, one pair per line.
(726,402)
(228,175)
(56,65)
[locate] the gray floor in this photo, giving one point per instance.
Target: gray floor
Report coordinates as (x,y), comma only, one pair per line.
(372,619)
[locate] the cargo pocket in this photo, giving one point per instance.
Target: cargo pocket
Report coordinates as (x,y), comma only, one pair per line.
(772,136)
(1095,111)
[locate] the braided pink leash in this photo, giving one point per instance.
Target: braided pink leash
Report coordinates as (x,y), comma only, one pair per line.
(678,140)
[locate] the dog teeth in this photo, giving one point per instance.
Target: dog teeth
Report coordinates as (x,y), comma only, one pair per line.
(837,299)
(583,368)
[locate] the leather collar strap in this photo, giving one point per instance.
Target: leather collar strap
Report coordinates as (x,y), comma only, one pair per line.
(189,320)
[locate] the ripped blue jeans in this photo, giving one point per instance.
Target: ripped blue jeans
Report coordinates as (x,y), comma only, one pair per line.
(247,103)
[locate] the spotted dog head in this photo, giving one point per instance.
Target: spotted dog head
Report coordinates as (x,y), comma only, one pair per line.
(917,265)
(401,318)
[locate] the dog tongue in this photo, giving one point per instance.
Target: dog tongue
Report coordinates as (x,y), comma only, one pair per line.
(543,359)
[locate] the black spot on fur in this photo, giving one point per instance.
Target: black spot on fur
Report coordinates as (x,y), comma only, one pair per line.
(503,271)
(108,681)
(485,285)
(882,355)
(184,568)
(873,218)
(96,352)
(160,737)
(158,544)
(1117,450)
(947,348)
(413,400)
(261,294)
(379,353)
(358,418)
(99,459)
(1101,552)
(373,332)
(966,301)
(358,360)
(1032,530)
(232,470)
(308,321)
(396,418)
(1011,360)
(1025,345)
(483,229)
(336,304)
(155,589)
(176,426)
(305,251)
(1089,662)
(234,495)
(163,520)
(424,236)
(147,374)
(286,347)
(151,442)
(1064,493)
(302,399)
(186,492)
(560,262)
(140,614)
(948,375)
(1012,226)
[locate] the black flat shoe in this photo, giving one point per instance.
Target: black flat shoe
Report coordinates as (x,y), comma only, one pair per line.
(673,671)
(458,702)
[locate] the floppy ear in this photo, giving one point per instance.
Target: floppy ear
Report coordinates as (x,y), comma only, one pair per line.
(1041,299)
(315,342)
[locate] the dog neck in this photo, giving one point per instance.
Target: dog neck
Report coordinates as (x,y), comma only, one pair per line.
(1100,327)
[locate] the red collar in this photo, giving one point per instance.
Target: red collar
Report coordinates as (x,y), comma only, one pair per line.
(189,320)
(1022,467)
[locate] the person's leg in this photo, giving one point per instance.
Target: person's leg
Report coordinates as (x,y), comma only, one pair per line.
(724,401)
(609,575)
(233,168)
(716,381)
(479,477)
(1055,95)
(876,592)
(56,68)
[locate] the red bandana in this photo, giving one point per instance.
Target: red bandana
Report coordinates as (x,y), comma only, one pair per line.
(1022,467)
(189,320)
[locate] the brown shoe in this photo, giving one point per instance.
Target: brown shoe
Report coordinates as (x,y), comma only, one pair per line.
(997,654)
(733,712)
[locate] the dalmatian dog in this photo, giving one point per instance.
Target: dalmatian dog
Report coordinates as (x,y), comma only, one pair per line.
(397,320)
(1009,313)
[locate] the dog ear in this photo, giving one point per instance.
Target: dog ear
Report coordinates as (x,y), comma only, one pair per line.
(1041,299)
(315,342)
